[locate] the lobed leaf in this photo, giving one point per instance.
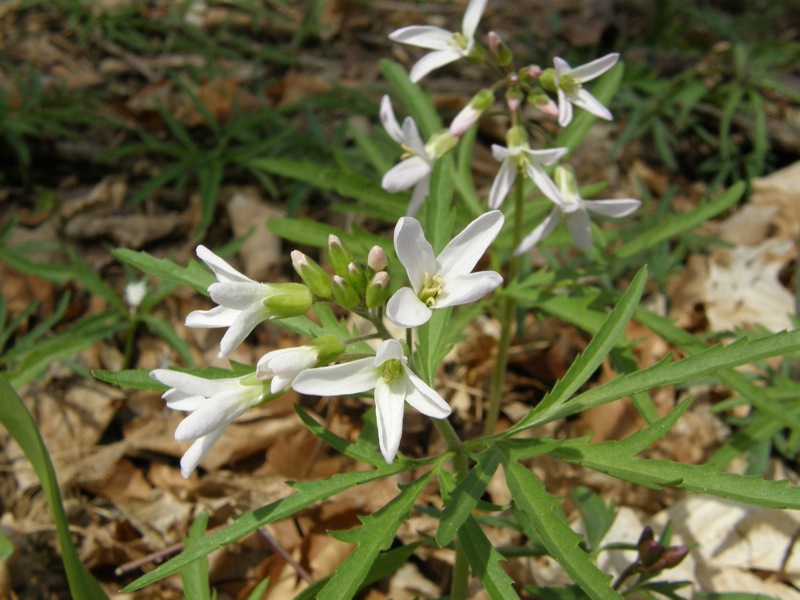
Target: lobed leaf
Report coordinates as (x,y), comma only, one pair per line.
(193,274)
(484,560)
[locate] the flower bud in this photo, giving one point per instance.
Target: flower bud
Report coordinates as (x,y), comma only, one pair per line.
(345,294)
(328,347)
(312,275)
(378,290)
(339,254)
(501,53)
(377,259)
(135,291)
(356,277)
(548,80)
(674,555)
(288,300)
(543,102)
(530,73)
(440,144)
(517,137)
(514,99)
(470,114)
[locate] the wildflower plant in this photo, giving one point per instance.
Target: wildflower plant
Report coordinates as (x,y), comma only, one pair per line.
(413,300)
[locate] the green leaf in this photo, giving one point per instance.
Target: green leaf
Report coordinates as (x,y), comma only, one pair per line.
(47,271)
(484,560)
(592,357)
(569,592)
(376,533)
(6,547)
(693,367)
(259,591)
(597,518)
(437,212)
(166,331)
(90,280)
(193,274)
(20,424)
(674,226)
(540,514)
(194,576)
(354,451)
(307,493)
(136,379)
(464,498)
(330,179)
(385,564)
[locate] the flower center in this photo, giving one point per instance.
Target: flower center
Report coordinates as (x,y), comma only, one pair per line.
(432,288)
(459,41)
(392,369)
(569,83)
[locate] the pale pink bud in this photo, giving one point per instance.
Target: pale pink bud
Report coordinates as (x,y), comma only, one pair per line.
(377,259)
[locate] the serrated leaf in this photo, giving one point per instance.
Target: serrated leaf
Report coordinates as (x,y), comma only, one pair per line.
(592,357)
(466,495)
(193,274)
(346,447)
(135,379)
(484,560)
(20,424)
(597,518)
(540,513)
(307,493)
(693,367)
(375,534)
(385,564)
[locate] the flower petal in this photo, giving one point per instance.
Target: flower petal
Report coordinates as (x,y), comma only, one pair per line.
(464,289)
(590,104)
(581,229)
(502,182)
(472,17)
(389,121)
(406,310)
(424,398)
(562,67)
(192,384)
(347,378)
(595,68)
(219,316)
(218,412)
(618,207)
(546,185)
(241,328)
(418,195)
(464,251)
(239,295)
(412,139)
(539,233)
(405,174)
(197,452)
(414,251)
(222,270)
(179,400)
(432,61)
(564,109)
(389,407)
(388,350)
(501,152)
(423,36)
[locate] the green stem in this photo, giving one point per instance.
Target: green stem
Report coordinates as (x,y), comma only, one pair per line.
(460,583)
(508,309)
(130,337)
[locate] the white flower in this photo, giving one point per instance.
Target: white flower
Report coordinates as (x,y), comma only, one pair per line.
(244,303)
(569,86)
(447,46)
(212,404)
(518,156)
(135,291)
(575,210)
(285,364)
(415,169)
(444,280)
(394,384)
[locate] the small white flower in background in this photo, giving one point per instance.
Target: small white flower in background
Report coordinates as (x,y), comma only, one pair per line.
(415,168)
(135,292)
(212,404)
(444,280)
(447,46)
(394,384)
(519,156)
(244,303)
(569,87)
(575,210)
(285,364)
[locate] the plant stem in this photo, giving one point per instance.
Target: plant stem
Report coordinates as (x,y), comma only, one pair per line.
(509,308)
(130,337)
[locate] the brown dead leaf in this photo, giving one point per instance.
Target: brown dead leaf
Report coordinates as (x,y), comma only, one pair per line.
(249,213)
